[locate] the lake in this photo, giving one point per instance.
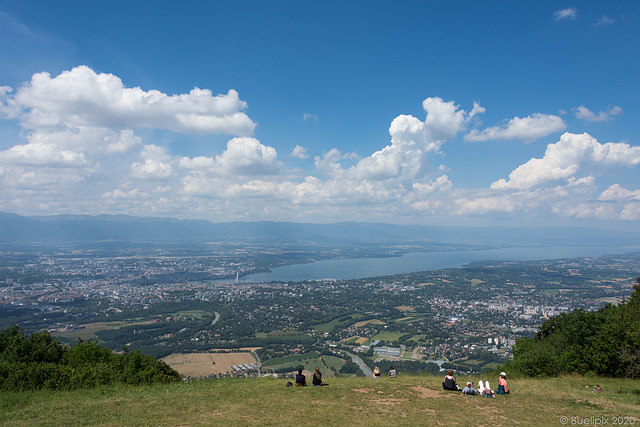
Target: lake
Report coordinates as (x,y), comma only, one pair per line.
(424,261)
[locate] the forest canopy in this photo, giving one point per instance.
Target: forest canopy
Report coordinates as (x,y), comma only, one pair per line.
(605,342)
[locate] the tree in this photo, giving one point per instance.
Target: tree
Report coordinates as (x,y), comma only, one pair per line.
(605,342)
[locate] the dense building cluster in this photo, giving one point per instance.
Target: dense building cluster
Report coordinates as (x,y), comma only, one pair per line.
(446,314)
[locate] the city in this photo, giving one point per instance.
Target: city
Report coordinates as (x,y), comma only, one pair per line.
(167,304)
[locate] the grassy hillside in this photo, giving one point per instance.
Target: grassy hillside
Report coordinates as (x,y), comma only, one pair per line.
(406,400)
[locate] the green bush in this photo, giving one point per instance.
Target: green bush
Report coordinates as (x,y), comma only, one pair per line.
(604,343)
(38,361)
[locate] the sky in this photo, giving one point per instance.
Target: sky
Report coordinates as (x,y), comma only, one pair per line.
(407,112)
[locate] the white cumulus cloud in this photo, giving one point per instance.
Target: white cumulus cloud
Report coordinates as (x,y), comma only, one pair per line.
(617,193)
(247,156)
(243,156)
(156,165)
(584,113)
(527,128)
(412,140)
(82,97)
(299,152)
(574,154)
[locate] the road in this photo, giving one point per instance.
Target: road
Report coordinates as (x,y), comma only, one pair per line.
(364,368)
(215,318)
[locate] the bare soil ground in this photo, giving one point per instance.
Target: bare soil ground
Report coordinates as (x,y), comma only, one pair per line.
(205,364)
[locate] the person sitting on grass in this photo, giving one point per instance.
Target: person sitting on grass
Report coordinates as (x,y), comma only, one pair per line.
(301,379)
(317,378)
(392,372)
(376,373)
(469,389)
(503,387)
(449,382)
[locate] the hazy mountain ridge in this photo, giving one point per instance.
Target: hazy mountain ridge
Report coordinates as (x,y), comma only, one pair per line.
(87,228)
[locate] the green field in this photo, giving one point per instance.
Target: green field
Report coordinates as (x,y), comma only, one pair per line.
(298,359)
(408,319)
(197,314)
(309,361)
(387,336)
(279,334)
(90,329)
(418,338)
(333,362)
(357,401)
(328,327)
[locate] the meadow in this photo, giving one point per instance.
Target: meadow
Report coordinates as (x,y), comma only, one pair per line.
(88,331)
(355,401)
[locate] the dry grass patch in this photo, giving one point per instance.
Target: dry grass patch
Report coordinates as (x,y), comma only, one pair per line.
(206,364)
(365,322)
(427,393)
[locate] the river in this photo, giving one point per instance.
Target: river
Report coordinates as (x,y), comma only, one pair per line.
(425,261)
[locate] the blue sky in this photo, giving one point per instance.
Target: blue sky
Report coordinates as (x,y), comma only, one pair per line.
(513,113)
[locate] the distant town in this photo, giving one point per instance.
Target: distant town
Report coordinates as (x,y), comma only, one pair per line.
(163,304)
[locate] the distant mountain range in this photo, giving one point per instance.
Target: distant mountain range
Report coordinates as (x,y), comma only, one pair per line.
(86,228)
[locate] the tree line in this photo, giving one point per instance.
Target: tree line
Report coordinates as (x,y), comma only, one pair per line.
(604,342)
(38,361)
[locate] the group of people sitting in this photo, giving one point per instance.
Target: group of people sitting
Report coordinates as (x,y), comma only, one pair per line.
(316,380)
(449,383)
(392,372)
(484,389)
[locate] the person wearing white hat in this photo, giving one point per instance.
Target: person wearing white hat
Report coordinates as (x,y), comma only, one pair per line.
(503,387)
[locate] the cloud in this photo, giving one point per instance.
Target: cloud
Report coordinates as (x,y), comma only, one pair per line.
(329,163)
(563,161)
(81,97)
(442,184)
(445,119)
(584,113)
(40,154)
(605,20)
(247,156)
(483,205)
(528,128)
(299,152)
(243,156)
(617,193)
(91,166)
(568,14)
(156,165)
(119,194)
(309,116)
(412,140)
(199,162)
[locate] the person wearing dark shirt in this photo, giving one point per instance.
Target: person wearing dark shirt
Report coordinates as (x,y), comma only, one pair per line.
(301,379)
(317,378)
(449,382)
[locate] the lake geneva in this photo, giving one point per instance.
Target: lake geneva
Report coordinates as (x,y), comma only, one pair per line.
(423,261)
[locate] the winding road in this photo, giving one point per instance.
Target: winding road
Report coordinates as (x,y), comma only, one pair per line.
(364,368)
(216,318)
